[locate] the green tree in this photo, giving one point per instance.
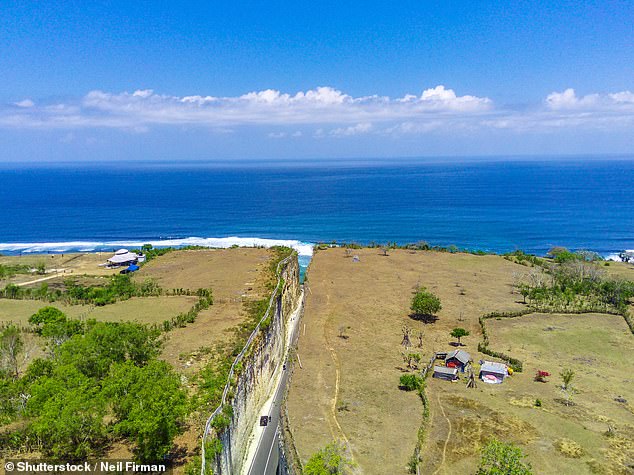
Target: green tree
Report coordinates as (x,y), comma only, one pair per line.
(459,333)
(567,375)
(47,315)
(53,325)
(331,460)
(499,458)
(11,345)
(68,413)
(411,382)
(12,291)
(425,303)
(105,343)
(149,405)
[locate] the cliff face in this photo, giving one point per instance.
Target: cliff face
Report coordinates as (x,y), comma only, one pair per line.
(255,383)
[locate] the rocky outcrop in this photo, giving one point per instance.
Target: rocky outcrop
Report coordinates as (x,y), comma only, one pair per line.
(255,381)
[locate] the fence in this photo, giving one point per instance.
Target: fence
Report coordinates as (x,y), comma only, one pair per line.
(238,359)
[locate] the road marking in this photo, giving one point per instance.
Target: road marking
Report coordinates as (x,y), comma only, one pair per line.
(268,459)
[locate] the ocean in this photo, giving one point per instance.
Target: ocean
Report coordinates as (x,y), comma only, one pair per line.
(498,206)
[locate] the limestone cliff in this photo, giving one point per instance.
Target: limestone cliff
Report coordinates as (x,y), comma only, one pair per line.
(254,383)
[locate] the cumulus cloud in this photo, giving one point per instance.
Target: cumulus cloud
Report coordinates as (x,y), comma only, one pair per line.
(322,105)
(362,128)
(328,111)
(24,103)
(569,100)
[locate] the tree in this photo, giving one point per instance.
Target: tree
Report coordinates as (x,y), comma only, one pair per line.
(411,382)
(567,375)
(40,268)
(459,333)
(425,303)
(47,315)
(149,405)
(68,412)
(410,359)
(406,341)
(11,345)
(106,343)
(499,458)
(331,460)
(52,324)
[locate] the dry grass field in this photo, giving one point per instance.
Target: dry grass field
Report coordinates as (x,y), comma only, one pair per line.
(67,265)
(359,374)
(348,390)
(143,310)
(556,438)
(233,274)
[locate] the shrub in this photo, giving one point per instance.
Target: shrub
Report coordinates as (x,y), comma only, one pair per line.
(331,460)
(499,458)
(410,382)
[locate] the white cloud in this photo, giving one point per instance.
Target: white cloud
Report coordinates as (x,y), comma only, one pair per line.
(322,105)
(568,100)
(359,129)
(24,103)
(277,135)
(331,112)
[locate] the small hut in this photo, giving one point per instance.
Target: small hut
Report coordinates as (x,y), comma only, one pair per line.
(446,373)
(123,257)
(458,359)
(493,373)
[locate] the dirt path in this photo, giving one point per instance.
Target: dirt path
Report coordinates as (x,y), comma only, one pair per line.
(333,406)
(441,466)
(42,279)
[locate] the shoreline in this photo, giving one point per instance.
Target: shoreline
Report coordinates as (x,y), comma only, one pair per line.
(304,249)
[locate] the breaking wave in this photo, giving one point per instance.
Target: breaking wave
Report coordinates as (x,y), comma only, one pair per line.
(304,249)
(615,256)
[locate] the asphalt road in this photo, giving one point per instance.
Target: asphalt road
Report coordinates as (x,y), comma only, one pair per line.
(266,457)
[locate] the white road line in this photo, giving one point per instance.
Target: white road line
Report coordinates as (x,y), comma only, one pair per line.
(278,374)
(270,451)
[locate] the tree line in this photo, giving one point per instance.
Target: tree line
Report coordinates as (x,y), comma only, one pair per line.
(101,382)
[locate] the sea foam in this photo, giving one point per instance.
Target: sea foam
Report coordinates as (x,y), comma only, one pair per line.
(304,249)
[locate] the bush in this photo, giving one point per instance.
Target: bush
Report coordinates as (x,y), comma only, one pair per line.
(411,382)
(331,460)
(499,458)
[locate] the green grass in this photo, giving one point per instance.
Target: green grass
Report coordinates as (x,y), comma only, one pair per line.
(141,309)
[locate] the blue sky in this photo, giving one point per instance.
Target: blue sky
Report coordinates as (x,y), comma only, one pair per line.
(254,80)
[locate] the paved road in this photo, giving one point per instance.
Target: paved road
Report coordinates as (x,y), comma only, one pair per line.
(267,455)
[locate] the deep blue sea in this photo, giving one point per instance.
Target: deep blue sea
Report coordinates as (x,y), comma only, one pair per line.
(494,206)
